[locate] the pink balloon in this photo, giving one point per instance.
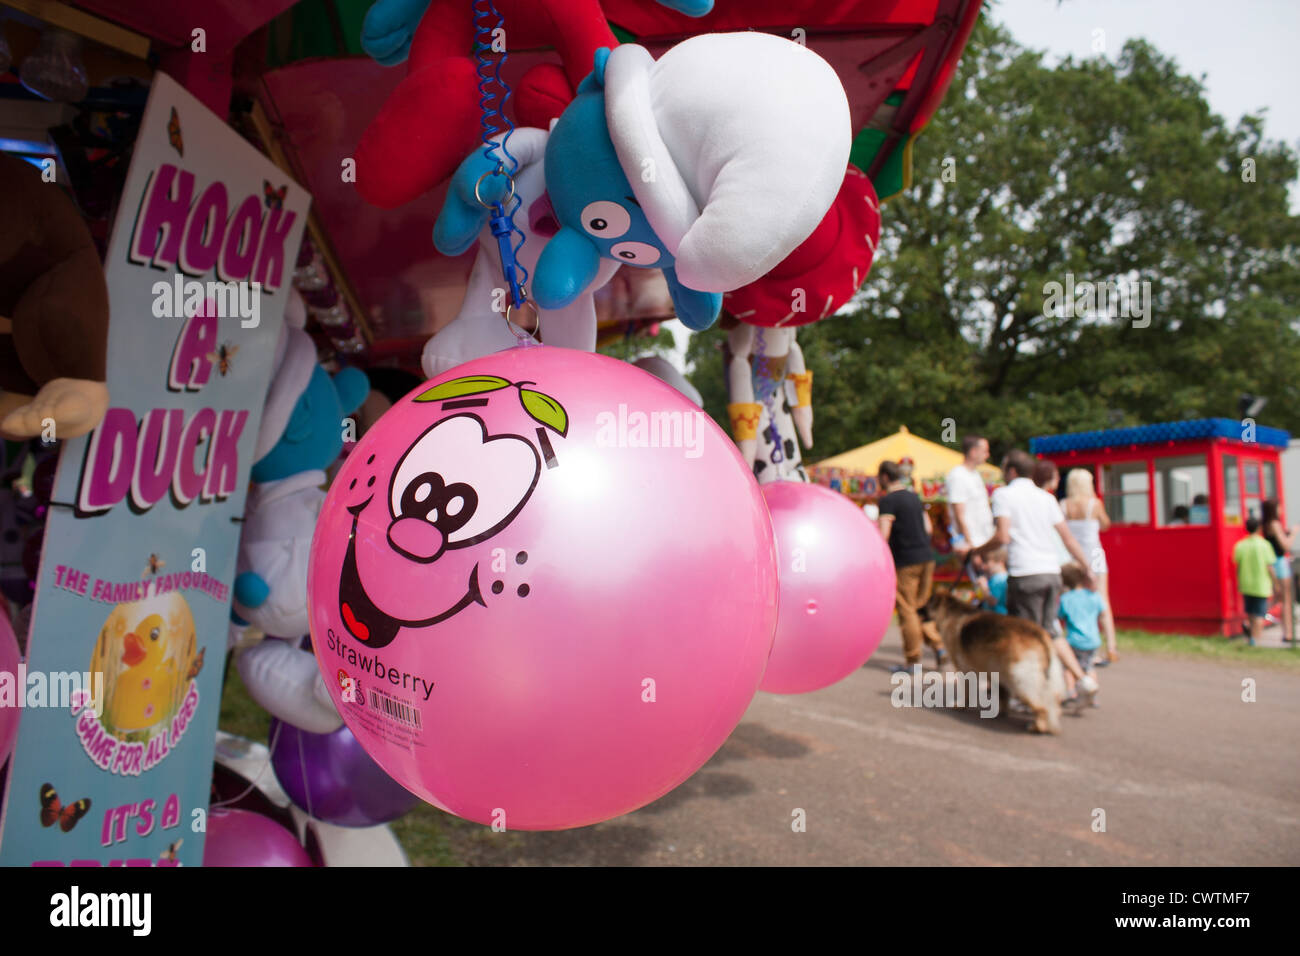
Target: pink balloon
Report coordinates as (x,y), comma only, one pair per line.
(837,587)
(8,665)
(553,618)
(245,838)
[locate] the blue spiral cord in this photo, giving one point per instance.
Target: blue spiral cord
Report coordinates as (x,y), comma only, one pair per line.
(493,121)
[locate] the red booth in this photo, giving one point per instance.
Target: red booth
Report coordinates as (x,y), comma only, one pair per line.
(1178,496)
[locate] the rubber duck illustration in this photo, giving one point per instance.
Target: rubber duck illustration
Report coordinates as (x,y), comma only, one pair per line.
(144,689)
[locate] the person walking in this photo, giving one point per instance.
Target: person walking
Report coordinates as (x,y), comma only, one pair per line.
(1256,575)
(1282,539)
(905,525)
(1027,521)
(968,498)
(1086,518)
(1047,477)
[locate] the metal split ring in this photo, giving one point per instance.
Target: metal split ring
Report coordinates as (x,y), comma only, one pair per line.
(499,171)
(519,331)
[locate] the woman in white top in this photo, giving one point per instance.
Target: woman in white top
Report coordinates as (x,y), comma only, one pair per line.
(1086,517)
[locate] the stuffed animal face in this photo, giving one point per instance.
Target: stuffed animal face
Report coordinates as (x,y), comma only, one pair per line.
(589,191)
(313,438)
(598,212)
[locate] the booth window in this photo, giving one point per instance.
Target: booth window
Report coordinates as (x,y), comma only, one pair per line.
(1250,471)
(1231,491)
(1127,492)
(1182,491)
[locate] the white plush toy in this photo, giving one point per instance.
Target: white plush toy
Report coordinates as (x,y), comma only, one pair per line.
(479,328)
(764,420)
(300,436)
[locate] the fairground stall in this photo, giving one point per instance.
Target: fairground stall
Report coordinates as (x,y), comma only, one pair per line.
(321,283)
(1178,495)
(853,473)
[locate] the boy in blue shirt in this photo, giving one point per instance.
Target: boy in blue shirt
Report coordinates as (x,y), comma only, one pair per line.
(994,565)
(1080,611)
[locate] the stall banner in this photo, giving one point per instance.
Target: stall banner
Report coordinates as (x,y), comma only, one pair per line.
(123,676)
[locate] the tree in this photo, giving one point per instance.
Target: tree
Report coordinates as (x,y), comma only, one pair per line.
(1091,171)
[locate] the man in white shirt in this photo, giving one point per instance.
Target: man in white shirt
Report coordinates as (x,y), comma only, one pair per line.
(968,498)
(1027,522)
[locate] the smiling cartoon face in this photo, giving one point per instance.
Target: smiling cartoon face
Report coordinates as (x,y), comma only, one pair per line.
(593,196)
(413,552)
(598,213)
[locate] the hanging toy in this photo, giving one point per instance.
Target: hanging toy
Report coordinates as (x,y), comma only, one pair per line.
(712,163)
(300,436)
(770,393)
(825,271)
(837,587)
(332,778)
(478,329)
(523,561)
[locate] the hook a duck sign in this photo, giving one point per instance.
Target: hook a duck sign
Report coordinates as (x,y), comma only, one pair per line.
(141,540)
(524,622)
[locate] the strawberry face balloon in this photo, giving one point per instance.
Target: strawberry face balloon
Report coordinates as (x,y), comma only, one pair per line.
(453,488)
(553,580)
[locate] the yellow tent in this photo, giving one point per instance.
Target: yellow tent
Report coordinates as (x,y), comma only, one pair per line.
(931,461)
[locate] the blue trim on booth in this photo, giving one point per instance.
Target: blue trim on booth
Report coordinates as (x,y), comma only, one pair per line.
(1193,430)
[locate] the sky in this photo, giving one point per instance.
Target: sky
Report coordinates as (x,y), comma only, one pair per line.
(1246,50)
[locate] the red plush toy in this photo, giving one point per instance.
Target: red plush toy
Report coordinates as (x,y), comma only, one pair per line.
(431,121)
(824,272)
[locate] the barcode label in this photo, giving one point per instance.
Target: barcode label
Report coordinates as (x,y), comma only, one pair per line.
(400,710)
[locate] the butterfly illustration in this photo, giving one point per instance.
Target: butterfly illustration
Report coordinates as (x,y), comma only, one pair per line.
(196,665)
(52,810)
(222,356)
(174,132)
(155,565)
(170,852)
(274,197)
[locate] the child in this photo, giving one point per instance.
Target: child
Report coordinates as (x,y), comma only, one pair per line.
(1081,609)
(995,567)
(1256,576)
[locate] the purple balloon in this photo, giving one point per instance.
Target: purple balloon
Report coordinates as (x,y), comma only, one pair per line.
(245,838)
(332,778)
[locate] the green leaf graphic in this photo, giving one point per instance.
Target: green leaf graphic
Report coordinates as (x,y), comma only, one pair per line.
(466,385)
(545,409)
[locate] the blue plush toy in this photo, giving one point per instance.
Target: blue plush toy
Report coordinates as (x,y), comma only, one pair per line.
(313,436)
(611,226)
(712,163)
(598,212)
(303,425)
(301,435)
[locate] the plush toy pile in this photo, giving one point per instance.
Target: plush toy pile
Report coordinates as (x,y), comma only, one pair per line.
(301,436)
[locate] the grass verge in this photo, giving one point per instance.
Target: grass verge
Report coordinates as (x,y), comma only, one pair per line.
(1186,645)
